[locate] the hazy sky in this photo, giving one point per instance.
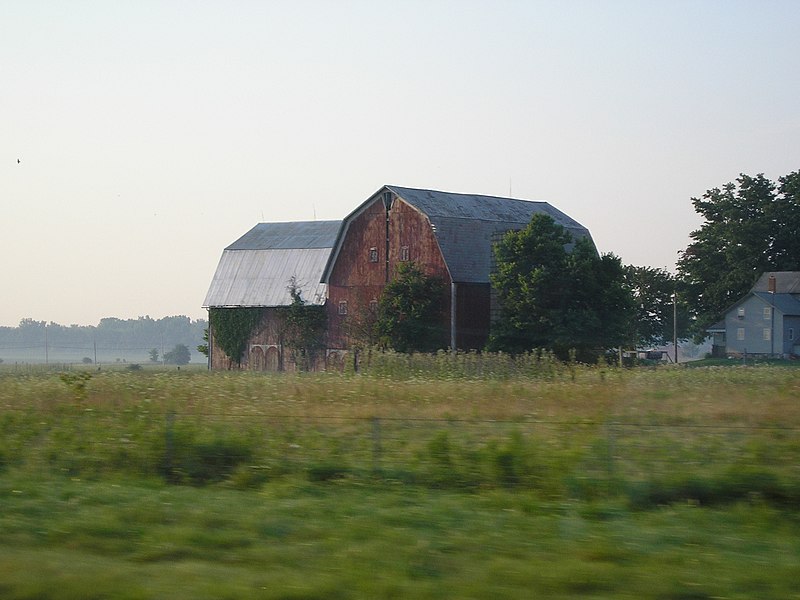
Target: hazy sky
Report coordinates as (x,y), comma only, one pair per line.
(152,134)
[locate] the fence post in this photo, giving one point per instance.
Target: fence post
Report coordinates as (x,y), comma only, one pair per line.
(169,448)
(376,445)
(610,457)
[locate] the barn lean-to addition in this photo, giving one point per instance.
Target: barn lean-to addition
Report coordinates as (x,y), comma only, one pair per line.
(345,265)
(257,271)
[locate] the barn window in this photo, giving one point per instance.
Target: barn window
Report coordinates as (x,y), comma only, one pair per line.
(404,253)
(373,255)
(740,333)
(343,307)
(767,313)
(767,333)
(373,305)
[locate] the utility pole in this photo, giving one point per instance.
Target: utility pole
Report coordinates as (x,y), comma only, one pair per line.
(675,323)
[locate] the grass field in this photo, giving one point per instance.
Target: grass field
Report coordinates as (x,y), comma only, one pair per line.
(578,482)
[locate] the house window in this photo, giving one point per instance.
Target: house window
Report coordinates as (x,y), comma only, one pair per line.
(404,253)
(373,255)
(767,333)
(741,312)
(791,333)
(740,333)
(767,313)
(343,307)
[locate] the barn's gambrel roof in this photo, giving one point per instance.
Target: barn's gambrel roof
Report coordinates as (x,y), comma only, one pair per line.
(465,226)
(256,269)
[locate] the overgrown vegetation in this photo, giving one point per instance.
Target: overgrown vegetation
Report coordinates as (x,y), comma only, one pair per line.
(232,328)
(305,326)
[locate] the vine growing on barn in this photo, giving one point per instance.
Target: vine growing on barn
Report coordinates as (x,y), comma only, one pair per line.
(232,328)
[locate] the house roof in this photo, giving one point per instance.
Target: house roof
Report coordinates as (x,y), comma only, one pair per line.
(786,282)
(465,226)
(787,304)
(256,269)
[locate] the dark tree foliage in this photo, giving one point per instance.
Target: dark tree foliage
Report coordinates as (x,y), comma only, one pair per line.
(232,328)
(551,298)
(410,311)
(203,348)
(305,327)
(179,355)
(653,291)
(750,227)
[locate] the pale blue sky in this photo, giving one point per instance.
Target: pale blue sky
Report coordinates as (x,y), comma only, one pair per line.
(153,134)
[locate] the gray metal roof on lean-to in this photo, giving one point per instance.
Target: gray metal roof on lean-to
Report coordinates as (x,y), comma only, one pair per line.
(466,225)
(257,269)
(299,234)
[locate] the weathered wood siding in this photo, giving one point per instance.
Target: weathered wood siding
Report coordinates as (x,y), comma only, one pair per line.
(357,280)
(265,350)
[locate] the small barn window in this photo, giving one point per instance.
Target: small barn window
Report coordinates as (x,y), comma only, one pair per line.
(740,333)
(767,333)
(373,305)
(343,307)
(404,253)
(741,312)
(767,313)
(373,255)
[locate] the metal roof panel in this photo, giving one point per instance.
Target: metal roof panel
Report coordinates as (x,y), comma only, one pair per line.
(300,234)
(262,277)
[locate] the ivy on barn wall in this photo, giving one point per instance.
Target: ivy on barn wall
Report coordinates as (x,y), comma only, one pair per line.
(232,328)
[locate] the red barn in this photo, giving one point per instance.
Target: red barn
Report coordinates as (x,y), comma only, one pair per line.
(448,235)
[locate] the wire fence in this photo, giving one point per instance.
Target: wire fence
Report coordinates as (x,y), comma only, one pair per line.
(558,459)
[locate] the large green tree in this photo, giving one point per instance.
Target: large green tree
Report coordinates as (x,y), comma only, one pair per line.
(410,311)
(558,298)
(653,290)
(750,226)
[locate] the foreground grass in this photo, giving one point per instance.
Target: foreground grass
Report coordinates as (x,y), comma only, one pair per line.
(584,482)
(75,539)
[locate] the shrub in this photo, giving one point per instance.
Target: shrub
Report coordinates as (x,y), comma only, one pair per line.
(187,459)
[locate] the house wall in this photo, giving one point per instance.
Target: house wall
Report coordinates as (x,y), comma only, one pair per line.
(791,339)
(751,326)
(357,280)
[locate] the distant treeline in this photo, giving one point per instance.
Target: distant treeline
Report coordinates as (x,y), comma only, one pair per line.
(112,340)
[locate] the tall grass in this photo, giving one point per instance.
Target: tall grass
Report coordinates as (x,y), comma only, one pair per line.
(651,436)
